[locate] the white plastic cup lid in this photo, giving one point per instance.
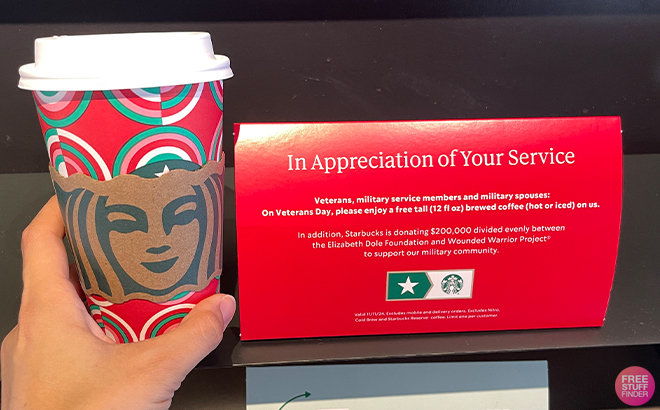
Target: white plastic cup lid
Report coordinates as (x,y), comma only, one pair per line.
(121,61)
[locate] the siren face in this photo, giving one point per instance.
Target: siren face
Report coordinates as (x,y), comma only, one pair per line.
(150,246)
(452,284)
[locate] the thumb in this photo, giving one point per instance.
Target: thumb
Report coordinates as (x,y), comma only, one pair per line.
(197,335)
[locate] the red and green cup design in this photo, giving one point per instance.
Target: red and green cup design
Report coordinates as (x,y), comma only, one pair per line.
(147,133)
(108,133)
(141,319)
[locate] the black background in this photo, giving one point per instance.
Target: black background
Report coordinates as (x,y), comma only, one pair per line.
(79,11)
(376,60)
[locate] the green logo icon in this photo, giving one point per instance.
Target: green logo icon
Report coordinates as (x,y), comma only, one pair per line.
(452,284)
(407,285)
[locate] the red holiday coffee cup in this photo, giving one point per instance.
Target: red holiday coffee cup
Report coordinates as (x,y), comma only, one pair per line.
(133,128)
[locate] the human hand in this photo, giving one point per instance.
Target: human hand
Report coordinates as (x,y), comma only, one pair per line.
(57,357)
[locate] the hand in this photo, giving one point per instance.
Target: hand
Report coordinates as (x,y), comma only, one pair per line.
(57,357)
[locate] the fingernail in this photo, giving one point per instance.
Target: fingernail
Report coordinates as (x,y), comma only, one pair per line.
(227,307)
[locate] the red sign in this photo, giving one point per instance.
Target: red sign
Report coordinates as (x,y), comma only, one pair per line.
(426,226)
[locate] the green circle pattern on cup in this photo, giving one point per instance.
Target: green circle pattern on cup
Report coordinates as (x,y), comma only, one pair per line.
(164,143)
(66,147)
(69,119)
(127,102)
(216,151)
(216,90)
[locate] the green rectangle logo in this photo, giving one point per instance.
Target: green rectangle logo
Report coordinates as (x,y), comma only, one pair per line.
(436,284)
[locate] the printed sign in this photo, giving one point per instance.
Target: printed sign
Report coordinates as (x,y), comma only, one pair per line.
(426,226)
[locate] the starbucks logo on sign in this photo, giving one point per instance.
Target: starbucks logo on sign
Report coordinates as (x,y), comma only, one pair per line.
(452,284)
(430,284)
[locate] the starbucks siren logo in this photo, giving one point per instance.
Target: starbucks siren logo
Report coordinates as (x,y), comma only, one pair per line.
(452,284)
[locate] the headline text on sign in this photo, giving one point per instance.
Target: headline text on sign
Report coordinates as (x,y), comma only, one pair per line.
(455,158)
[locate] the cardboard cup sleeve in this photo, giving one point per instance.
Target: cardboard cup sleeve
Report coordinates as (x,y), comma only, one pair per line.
(145,238)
